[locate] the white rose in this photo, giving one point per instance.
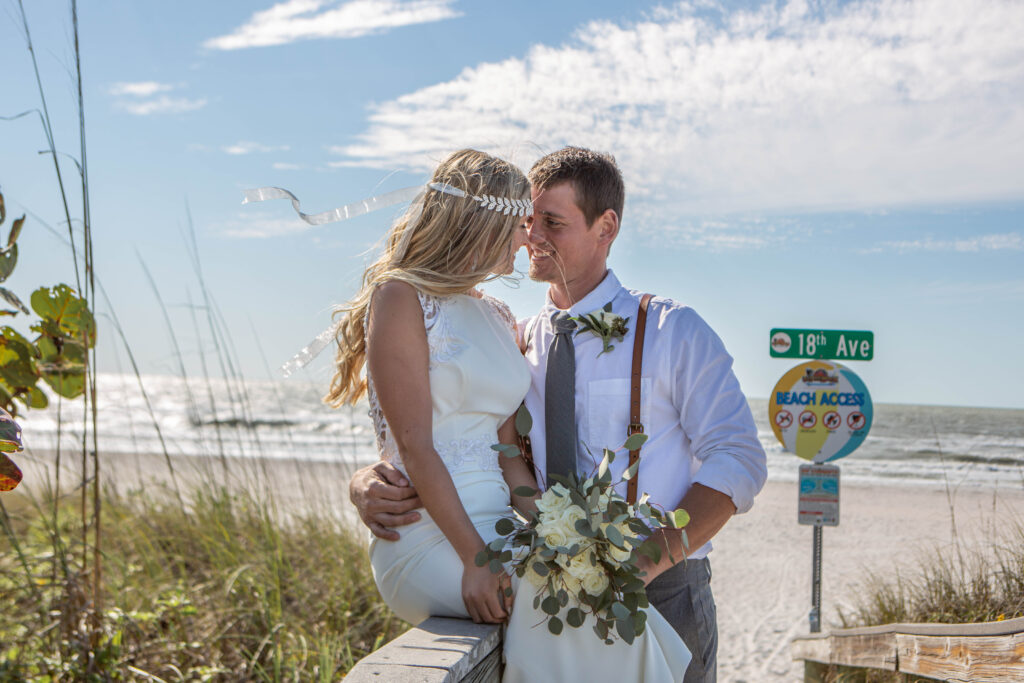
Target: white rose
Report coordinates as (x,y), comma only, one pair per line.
(619,556)
(572,585)
(570,516)
(553,533)
(594,580)
(554,500)
(534,579)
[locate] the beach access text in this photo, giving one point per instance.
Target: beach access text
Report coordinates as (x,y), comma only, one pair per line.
(822,344)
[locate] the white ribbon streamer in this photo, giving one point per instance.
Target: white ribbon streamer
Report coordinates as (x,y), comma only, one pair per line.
(310,350)
(341,213)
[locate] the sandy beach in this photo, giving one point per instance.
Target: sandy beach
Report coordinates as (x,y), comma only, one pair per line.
(761,562)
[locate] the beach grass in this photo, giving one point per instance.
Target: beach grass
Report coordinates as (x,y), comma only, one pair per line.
(222,588)
(950,585)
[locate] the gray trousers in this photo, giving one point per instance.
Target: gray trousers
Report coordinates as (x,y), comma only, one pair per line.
(683,596)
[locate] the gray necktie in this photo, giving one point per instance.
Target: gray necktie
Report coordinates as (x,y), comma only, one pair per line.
(560,398)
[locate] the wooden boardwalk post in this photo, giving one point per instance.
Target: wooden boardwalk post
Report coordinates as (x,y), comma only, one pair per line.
(989,652)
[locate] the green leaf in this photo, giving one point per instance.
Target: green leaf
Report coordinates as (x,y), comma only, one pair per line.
(625,629)
(10,434)
(563,598)
(608,307)
(575,617)
(3,209)
(497,544)
(508,591)
(507,449)
(504,526)
(631,471)
(601,629)
(549,605)
(680,518)
(614,537)
(525,491)
(635,441)
(66,312)
(12,298)
(524,421)
(651,550)
(584,528)
(15,231)
(555,625)
(620,611)
(541,568)
(8,259)
(496,566)
(482,558)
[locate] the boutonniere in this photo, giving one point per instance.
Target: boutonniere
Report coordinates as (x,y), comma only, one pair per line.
(604,324)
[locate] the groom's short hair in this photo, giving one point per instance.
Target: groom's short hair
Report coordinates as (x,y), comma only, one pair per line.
(594,176)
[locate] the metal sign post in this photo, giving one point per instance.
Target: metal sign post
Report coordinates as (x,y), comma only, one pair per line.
(821,411)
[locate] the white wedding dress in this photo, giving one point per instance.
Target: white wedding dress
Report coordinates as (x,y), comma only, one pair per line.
(477,379)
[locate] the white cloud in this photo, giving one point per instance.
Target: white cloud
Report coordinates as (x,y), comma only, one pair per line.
(248,147)
(294,20)
(863,105)
(262,227)
(284,166)
(138,89)
(1008,241)
(162,105)
(139,98)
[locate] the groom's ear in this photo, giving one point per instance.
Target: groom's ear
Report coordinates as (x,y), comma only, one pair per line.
(607,225)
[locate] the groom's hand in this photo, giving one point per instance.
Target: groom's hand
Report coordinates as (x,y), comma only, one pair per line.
(384,499)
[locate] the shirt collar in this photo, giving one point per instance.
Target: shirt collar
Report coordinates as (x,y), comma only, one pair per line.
(607,290)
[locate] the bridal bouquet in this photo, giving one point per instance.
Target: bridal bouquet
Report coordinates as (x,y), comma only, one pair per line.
(579,550)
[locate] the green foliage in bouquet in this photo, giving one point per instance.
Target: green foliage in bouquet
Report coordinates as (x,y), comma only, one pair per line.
(66,331)
(580,548)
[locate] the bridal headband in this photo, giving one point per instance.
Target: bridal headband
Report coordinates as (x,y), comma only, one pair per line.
(505,205)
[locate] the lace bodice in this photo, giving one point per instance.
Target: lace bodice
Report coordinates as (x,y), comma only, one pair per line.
(477,379)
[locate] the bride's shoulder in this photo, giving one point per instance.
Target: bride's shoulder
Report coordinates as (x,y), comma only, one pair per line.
(503,311)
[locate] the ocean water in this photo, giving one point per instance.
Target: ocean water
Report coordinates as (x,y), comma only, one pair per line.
(908,444)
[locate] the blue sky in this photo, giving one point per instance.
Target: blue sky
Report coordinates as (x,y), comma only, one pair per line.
(855,165)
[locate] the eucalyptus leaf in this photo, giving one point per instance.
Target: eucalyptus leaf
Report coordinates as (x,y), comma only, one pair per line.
(651,550)
(507,449)
(631,471)
(584,528)
(497,544)
(496,566)
(541,568)
(524,421)
(680,518)
(614,537)
(549,605)
(524,491)
(620,611)
(555,625)
(482,558)
(575,617)
(504,526)
(625,630)
(635,441)
(563,598)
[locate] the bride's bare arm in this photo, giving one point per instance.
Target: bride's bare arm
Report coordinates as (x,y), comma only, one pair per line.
(516,471)
(398,358)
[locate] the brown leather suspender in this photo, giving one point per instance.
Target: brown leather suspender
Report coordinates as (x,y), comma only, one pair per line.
(635,425)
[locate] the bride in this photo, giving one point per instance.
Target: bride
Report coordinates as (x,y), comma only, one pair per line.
(444,375)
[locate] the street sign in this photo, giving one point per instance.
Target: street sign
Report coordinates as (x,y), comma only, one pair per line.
(823,344)
(820,410)
(819,495)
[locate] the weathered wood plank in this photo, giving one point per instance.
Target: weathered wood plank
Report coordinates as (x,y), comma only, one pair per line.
(814,648)
(439,650)
(966,659)
(874,651)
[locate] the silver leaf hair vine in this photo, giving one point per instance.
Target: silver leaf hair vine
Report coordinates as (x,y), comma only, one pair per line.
(505,205)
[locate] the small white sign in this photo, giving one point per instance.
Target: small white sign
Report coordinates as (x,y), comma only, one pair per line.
(819,495)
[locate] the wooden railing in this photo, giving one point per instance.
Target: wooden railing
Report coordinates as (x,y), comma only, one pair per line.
(439,650)
(990,652)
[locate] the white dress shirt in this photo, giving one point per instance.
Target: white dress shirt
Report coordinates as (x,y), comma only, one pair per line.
(697,420)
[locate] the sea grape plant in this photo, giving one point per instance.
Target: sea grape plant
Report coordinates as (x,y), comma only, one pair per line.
(65,331)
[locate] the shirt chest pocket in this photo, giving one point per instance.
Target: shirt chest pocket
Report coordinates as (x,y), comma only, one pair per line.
(608,412)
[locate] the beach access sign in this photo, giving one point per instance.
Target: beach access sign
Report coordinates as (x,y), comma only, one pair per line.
(822,344)
(820,410)
(819,495)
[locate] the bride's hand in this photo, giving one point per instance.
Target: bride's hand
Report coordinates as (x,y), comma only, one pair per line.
(484,594)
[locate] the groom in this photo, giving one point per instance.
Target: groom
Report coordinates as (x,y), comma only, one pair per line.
(702,452)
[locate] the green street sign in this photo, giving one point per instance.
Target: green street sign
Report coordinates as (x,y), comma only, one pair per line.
(822,344)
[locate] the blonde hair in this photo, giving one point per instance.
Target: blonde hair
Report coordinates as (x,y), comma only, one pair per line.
(442,245)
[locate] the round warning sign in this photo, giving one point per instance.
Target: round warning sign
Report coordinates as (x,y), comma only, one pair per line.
(832,408)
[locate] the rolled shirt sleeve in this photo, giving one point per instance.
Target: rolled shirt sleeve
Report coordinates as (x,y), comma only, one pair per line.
(715,416)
